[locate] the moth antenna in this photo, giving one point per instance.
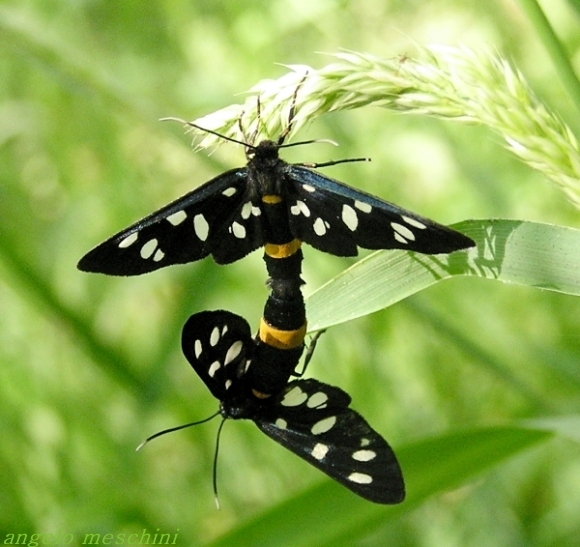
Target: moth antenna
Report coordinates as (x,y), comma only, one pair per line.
(329,163)
(172,429)
(215,460)
(210,131)
(313,141)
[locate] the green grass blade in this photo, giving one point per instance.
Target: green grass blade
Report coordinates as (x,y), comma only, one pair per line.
(524,253)
(567,426)
(554,47)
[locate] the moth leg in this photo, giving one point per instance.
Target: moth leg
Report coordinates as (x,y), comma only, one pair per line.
(309,353)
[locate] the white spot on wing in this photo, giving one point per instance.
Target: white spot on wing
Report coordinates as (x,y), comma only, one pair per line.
(362,206)
(197,348)
(238,230)
(319,451)
(149,248)
(201,227)
(300,207)
(364,455)
(360,478)
(129,240)
(246,210)
(365,442)
(323,425)
(256,211)
(294,397)
(414,222)
(280,423)
(320,226)
(215,336)
(228,384)
(308,188)
(402,231)
(229,192)
(213,368)
(317,400)
(349,217)
(177,218)
(233,352)
(158,256)
(400,238)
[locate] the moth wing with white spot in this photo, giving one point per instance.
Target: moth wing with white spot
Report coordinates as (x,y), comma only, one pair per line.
(241,233)
(218,345)
(314,421)
(336,218)
(188,229)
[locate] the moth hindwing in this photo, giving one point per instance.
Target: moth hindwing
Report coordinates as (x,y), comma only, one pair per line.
(314,421)
(218,345)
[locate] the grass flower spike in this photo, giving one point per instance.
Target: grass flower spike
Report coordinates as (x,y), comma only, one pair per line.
(460,84)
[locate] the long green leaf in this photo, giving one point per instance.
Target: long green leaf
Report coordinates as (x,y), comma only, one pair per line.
(554,47)
(524,253)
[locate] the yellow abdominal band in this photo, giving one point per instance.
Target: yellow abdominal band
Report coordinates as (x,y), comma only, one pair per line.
(283,250)
(281,339)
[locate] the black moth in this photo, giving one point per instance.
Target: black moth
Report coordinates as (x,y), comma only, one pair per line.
(310,418)
(229,217)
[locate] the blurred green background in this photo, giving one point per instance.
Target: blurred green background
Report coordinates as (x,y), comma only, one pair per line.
(90,365)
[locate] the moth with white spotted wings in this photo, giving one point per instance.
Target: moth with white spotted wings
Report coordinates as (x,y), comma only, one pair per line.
(311,419)
(245,208)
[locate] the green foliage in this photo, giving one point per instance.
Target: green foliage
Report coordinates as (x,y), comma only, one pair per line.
(525,253)
(463,379)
